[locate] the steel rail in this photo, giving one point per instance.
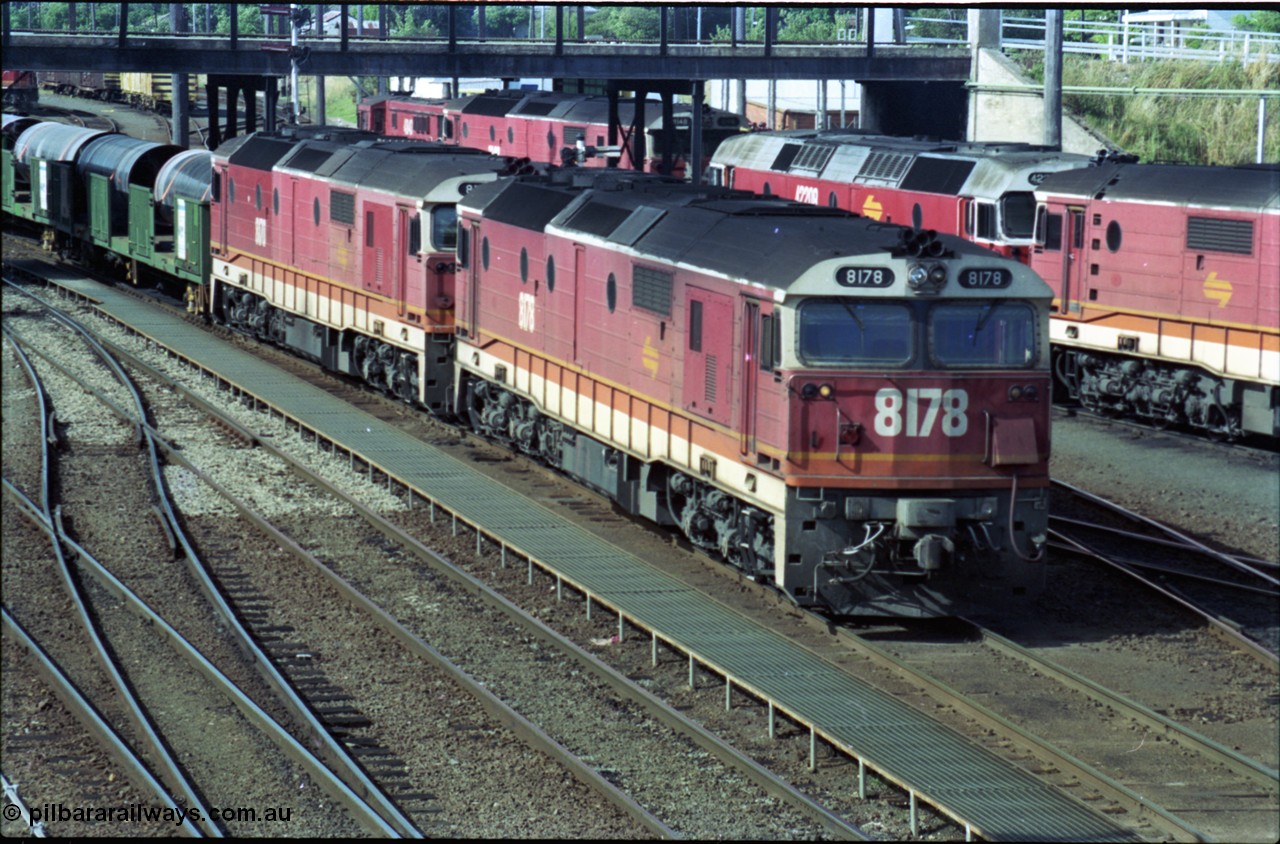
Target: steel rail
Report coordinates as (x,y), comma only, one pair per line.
(339,755)
(339,790)
(1177,572)
(75,591)
(1206,746)
(85,712)
(1081,770)
(1226,559)
(36,828)
(491,703)
(1255,649)
(1155,540)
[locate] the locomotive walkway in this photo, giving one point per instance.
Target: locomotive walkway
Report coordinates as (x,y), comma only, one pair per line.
(989,796)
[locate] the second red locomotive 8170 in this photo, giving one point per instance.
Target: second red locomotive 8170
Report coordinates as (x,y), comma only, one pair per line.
(855,411)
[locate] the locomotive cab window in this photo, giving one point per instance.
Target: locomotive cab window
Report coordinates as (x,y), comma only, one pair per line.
(1018,214)
(844,332)
(984,220)
(443,226)
(983,334)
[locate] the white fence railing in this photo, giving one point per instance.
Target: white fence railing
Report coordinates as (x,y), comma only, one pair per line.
(1120,41)
(1148,40)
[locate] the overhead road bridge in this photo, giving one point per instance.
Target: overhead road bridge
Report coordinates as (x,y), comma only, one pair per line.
(930,76)
(259,56)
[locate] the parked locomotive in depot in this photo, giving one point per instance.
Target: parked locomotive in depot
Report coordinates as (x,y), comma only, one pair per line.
(553,127)
(853,410)
(1175,321)
(1167,289)
(21,92)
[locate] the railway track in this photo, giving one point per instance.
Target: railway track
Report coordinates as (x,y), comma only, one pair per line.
(129,540)
(301,649)
(487,563)
(1237,595)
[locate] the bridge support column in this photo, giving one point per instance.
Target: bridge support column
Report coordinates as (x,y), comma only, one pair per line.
(180,128)
(319,118)
(271,100)
(211,97)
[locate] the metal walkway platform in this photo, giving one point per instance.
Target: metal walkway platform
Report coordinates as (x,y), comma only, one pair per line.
(995,799)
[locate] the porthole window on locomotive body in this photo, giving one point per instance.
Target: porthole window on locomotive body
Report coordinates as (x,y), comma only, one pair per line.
(767,190)
(832,200)
(257,197)
(524,265)
(551,140)
(315,210)
(275,201)
(1113,236)
(484,252)
(492,135)
(465,131)
(231,190)
(611,292)
(511,135)
(917,216)
(551,273)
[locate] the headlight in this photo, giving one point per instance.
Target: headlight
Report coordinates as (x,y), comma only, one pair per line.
(918,275)
(938,275)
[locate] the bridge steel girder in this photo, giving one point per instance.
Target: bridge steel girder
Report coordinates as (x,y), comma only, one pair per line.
(206,55)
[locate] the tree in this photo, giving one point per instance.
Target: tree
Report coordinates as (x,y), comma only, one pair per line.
(1261,21)
(624,23)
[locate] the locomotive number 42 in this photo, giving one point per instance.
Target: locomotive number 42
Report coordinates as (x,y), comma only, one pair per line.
(922,408)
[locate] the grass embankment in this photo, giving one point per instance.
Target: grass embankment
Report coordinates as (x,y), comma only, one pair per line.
(1184,129)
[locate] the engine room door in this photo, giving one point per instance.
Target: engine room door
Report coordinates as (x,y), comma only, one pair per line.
(750,373)
(579,298)
(400,248)
(473,280)
(708,360)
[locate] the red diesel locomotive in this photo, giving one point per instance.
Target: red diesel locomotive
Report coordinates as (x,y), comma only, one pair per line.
(854,411)
(1167,292)
(339,245)
(550,127)
(982,192)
